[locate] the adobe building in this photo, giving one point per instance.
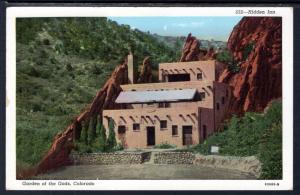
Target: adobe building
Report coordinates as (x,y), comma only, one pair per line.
(184,108)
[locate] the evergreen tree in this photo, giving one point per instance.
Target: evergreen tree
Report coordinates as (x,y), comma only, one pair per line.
(102,137)
(111,141)
(92,129)
(84,133)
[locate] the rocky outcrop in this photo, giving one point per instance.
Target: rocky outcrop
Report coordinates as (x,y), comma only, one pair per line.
(146,72)
(58,154)
(255,43)
(210,54)
(192,52)
(191,49)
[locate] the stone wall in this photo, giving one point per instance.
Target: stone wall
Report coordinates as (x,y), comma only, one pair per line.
(174,158)
(111,158)
(248,164)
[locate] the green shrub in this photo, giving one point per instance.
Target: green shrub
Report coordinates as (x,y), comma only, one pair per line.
(225,57)
(165,145)
(102,137)
(233,67)
(118,147)
(270,152)
(252,134)
(111,140)
(248,49)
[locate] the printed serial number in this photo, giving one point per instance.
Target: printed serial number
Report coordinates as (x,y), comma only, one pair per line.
(272,184)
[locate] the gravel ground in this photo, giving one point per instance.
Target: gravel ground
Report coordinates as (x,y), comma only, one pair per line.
(142,171)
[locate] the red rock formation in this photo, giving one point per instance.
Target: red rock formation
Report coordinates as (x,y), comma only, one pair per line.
(146,72)
(210,54)
(191,49)
(192,52)
(62,144)
(259,78)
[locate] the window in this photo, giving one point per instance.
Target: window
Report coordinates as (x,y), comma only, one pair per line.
(226,92)
(223,100)
(163,124)
(164,105)
(121,129)
(199,76)
(202,95)
(174,130)
(218,106)
(136,127)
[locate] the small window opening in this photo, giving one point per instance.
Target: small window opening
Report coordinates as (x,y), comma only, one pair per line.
(199,76)
(136,126)
(218,106)
(202,95)
(174,130)
(163,124)
(121,129)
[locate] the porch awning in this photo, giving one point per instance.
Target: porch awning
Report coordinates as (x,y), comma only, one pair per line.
(156,96)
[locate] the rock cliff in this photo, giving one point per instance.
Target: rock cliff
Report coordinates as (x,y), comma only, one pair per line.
(62,144)
(146,72)
(255,43)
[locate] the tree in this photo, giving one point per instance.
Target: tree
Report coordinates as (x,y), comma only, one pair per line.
(84,133)
(102,137)
(111,141)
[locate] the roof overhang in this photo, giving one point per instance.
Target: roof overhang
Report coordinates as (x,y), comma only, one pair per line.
(173,95)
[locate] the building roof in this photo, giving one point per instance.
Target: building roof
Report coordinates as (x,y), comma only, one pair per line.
(156,96)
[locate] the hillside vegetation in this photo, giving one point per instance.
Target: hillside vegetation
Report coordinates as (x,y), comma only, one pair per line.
(253,134)
(61,63)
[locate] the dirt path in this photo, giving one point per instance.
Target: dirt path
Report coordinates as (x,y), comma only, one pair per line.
(143,171)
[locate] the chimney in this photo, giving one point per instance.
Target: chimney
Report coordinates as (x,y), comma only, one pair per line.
(130,68)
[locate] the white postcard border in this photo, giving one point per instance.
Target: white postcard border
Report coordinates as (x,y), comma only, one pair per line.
(287,78)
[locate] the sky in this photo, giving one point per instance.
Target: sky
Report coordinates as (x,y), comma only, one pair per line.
(217,28)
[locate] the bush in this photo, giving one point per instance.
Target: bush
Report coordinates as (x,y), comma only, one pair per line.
(102,137)
(270,153)
(252,134)
(225,57)
(111,140)
(164,146)
(247,49)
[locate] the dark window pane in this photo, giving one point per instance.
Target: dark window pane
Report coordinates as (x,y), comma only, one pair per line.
(174,130)
(136,126)
(199,76)
(163,124)
(121,129)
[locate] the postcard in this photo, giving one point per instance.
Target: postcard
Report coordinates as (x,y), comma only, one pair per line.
(149,98)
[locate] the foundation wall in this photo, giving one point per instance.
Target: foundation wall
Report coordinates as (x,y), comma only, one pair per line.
(110,158)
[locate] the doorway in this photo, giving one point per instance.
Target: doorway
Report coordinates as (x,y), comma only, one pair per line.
(150,136)
(187,135)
